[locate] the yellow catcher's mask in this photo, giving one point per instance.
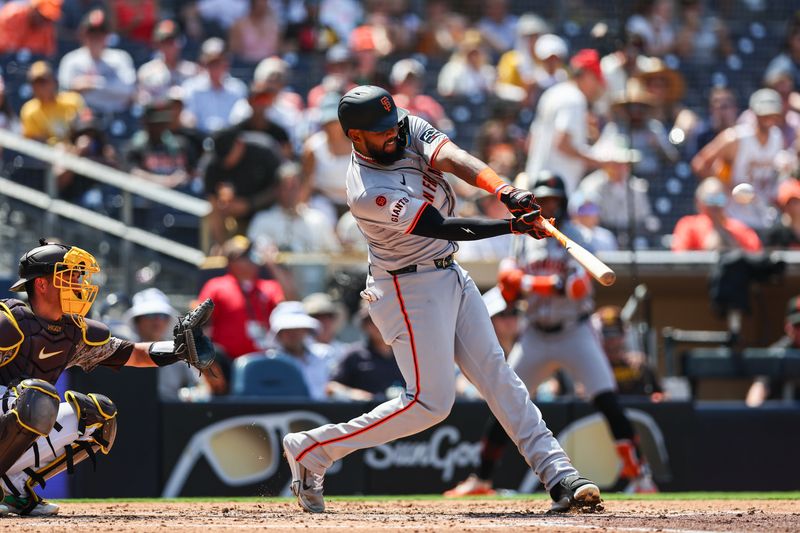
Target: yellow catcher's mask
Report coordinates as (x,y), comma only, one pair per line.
(73,277)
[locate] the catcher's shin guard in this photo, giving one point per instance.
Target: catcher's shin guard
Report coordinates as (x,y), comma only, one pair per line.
(33,416)
(93,411)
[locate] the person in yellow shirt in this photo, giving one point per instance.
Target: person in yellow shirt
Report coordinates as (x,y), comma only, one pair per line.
(516,67)
(48,115)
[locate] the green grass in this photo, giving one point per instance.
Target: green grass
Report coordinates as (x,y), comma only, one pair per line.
(664,496)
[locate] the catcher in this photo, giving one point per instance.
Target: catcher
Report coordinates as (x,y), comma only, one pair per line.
(40,436)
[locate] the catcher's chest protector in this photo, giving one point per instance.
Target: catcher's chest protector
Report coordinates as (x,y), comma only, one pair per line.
(45,350)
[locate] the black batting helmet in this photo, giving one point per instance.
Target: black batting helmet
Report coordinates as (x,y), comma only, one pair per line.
(369,108)
(41,261)
(548,185)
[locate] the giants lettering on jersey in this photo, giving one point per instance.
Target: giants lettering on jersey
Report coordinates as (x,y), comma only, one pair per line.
(429,187)
(398,208)
(546,266)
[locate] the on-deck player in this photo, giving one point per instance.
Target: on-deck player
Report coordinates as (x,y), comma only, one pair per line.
(558,335)
(424,304)
(40,436)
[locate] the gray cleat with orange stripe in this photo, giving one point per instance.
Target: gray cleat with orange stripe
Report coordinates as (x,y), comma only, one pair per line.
(306,485)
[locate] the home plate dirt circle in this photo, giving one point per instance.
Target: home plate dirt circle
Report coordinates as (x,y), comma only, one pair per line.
(417,515)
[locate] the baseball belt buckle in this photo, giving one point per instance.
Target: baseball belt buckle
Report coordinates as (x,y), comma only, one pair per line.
(444,262)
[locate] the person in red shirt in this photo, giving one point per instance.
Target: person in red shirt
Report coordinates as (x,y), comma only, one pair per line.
(30,25)
(711,228)
(243,302)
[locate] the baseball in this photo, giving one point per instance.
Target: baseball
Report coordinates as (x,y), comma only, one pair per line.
(743,193)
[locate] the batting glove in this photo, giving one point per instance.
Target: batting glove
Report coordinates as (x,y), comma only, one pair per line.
(518,201)
(528,224)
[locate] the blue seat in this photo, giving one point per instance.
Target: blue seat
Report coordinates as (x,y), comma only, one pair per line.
(265,375)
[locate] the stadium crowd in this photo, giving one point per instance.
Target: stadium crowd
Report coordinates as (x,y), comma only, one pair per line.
(235,101)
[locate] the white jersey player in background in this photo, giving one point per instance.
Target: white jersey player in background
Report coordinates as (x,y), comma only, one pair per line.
(424,304)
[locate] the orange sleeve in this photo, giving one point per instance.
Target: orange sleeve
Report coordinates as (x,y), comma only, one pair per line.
(510,283)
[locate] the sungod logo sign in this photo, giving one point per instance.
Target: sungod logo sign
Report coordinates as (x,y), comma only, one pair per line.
(444,451)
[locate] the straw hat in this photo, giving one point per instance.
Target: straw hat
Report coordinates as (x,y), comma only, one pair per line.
(654,67)
(634,93)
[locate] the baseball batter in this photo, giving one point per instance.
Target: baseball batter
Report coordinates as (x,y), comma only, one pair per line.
(40,436)
(424,304)
(558,335)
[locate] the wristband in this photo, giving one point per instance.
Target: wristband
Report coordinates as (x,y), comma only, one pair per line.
(488,180)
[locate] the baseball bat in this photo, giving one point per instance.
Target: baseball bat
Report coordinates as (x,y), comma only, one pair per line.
(598,270)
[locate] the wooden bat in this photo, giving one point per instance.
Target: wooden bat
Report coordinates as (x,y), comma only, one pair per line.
(598,270)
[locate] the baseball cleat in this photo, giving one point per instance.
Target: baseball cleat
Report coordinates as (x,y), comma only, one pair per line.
(472,486)
(575,493)
(306,485)
(24,507)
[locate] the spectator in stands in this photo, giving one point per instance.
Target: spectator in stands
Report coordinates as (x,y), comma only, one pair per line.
(29,25)
(256,35)
(781,80)
(134,20)
(87,139)
(241,176)
(209,97)
(367,47)
(518,67)
(722,113)
(502,128)
(156,154)
(151,319)
(341,17)
(339,74)
(326,157)
(368,369)
(468,72)
(8,119)
(632,115)
(72,13)
(620,66)
(653,21)
(292,331)
(559,132)
(634,376)
(219,15)
(711,229)
(551,52)
(47,116)
(351,238)
(260,113)
(167,69)
(331,315)
(584,211)
(785,234)
(746,153)
(614,188)
(665,88)
(497,26)
(441,30)
(278,105)
(775,388)
(243,301)
(290,225)
(408,80)
(702,39)
(105,77)
(494,248)
(789,59)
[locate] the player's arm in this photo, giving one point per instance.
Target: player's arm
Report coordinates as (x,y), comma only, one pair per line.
(722,147)
(450,158)
(430,223)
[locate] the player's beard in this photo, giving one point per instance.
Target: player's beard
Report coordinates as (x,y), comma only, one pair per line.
(381,156)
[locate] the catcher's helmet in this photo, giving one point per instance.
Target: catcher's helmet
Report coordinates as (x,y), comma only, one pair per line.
(369,108)
(548,185)
(41,261)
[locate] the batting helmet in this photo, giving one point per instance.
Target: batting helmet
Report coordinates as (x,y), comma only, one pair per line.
(548,185)
(369,108)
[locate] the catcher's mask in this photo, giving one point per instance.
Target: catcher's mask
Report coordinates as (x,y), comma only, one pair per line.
(71,270)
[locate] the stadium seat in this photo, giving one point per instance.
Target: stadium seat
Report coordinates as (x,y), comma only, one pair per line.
(264,375)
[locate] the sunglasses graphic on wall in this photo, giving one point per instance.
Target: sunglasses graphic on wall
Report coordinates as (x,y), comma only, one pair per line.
(241,450)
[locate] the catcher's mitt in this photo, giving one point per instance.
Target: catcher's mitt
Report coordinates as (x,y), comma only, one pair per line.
(190,344)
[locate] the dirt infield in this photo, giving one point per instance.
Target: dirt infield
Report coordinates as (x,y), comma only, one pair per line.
(418,516)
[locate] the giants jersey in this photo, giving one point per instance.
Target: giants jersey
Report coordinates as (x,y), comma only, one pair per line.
(386,201)
(31,347)
(545,257)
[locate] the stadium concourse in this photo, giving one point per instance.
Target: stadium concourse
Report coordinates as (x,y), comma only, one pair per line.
(194,148)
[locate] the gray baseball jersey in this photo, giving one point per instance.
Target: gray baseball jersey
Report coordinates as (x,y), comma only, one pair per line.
(386,200)
(558,334)
(433,317)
